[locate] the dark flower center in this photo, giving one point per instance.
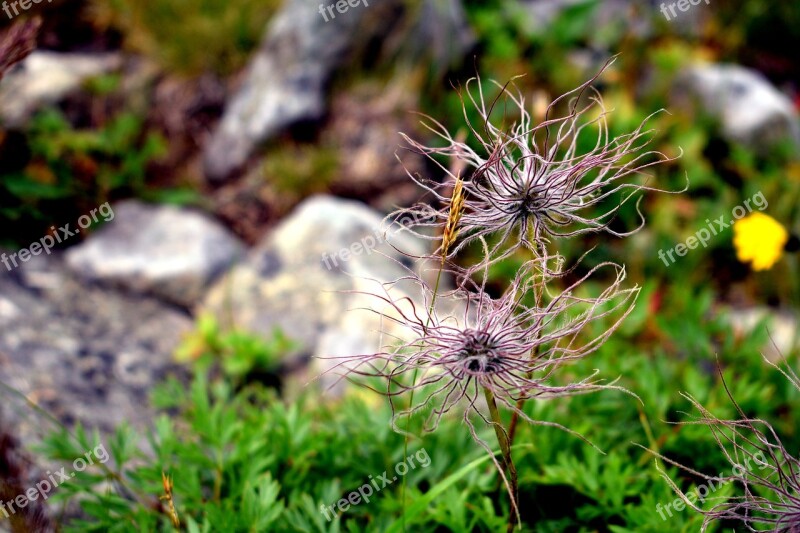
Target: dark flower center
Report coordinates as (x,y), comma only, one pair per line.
(478,353)
(529,204)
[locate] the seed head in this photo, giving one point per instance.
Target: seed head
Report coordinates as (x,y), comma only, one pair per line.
(453,217)
(766,475)
(489,343)
(530,183)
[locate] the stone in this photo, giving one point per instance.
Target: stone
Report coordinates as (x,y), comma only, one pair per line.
(166,251)
(440,35)
(749,109)
(82,354)
(307,276)
(285,82)
(45,78)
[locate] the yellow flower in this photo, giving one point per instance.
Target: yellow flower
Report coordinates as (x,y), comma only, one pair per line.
(759,239)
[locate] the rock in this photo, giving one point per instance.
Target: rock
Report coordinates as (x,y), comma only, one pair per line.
(356,156)
(285,81)
(782,329)
(749,108)
(440,35)
(166,251)
(46,78)
(82,354)
(299,280)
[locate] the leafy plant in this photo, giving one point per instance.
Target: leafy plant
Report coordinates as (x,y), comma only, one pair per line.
(245,460)
(240,355)
(71,171)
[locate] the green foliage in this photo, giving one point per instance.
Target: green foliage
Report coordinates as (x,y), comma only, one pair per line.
(298,171)
(239,354)
(243,458)
(119,146)
(189,37)
(246,461)
(70,171)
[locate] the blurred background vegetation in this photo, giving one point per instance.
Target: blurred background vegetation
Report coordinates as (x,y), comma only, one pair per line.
(246,457)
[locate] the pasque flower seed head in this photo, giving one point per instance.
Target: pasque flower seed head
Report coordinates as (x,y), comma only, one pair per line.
(532,182)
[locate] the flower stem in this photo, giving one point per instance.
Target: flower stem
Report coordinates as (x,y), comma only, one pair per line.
(507,463)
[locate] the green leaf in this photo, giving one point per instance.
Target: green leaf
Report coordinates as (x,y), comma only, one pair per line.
(422,503)
(25,187)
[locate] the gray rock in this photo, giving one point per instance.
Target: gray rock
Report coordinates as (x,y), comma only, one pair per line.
(782,329)
(82,354)
(440,34)
(299,280)
(46,78)
(166,251)
(749,108)
(285,81)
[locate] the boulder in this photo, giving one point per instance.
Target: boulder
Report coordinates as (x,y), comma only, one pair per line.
(307,277)
(304,45)
(82,354)
(166,251)
(45,78)
(749,109)
(284,82)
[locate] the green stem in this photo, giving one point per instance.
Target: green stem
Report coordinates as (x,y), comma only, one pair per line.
(507,463)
